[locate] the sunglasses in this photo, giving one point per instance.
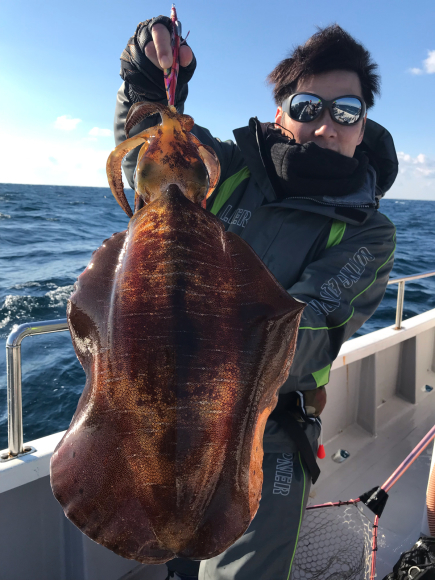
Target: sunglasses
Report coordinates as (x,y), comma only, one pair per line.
(305,107)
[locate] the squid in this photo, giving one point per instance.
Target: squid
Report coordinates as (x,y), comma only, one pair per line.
(185,338)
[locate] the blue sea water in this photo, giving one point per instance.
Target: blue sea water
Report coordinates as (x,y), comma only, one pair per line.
(47,236)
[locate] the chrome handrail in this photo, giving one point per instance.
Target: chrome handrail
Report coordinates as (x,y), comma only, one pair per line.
(13,363)
(13,369)
(401,292)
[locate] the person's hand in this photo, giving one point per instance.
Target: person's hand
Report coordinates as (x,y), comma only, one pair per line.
(159,50)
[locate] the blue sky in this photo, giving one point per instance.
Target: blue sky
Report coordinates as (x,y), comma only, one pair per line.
(60,72)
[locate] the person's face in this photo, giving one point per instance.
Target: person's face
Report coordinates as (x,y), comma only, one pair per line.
(323,131)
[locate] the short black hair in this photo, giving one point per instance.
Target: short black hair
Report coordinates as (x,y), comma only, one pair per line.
(330,48)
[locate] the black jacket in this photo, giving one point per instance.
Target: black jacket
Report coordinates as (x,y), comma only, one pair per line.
(334,254)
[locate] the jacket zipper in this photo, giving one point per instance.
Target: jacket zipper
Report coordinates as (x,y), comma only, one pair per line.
(331,204)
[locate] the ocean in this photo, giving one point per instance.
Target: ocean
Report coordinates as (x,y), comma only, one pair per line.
(47,236)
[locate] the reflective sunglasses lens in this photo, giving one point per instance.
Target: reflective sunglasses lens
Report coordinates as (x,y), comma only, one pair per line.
(305,108)
(347,110)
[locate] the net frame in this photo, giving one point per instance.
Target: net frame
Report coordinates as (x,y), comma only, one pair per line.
(334,543)
(367,571)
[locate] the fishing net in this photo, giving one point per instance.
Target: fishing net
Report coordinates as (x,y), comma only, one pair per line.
(334,544)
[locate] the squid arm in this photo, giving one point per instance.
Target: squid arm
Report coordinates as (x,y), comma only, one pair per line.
(113,168)
(139,111)
(211,163)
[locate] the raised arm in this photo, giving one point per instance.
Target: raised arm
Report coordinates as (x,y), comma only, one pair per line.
(147,52)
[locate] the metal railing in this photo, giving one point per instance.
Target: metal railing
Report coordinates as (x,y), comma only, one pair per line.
(13,365)
(13,369)
(401,292)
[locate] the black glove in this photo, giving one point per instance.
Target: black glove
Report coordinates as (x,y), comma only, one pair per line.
(145,81)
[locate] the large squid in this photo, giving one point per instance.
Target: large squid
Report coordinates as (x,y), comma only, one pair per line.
(185,338)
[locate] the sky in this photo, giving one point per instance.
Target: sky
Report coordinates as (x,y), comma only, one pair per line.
(59,74)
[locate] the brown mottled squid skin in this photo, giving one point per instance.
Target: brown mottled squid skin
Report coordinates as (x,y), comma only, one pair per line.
(169,154)
(185,338)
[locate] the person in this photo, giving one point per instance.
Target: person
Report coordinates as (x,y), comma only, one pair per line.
(304,192)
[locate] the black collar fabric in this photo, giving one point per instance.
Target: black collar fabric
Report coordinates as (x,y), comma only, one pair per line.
(379,147)
(249,139)
(309,170)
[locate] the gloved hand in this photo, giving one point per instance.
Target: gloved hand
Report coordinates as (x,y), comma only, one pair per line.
(158,50)
(149,51)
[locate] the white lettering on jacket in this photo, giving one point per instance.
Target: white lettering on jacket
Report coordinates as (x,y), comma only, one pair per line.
(239,217)
(283,474)
(348,275)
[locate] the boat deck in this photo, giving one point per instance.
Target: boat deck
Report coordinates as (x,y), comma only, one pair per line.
(372,460)
(379,408)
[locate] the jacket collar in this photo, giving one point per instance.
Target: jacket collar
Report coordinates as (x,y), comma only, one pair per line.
(354,208)
(249,140)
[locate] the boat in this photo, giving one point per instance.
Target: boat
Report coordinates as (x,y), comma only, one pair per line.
(381,404)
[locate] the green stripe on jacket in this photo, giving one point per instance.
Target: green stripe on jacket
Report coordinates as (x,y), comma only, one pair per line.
(335,236)
(227,188)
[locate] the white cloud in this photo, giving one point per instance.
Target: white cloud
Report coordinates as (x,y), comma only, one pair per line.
(53,162)
(428,65)
(416,166)
(97,132)
(65,123)
(416,178)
